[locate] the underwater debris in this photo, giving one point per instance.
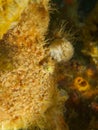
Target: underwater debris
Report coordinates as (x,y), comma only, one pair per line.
(92,51)
(90,72)
(93,125)
(94,106)
(90,38)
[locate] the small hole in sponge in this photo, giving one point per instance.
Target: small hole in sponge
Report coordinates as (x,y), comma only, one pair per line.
(83,84)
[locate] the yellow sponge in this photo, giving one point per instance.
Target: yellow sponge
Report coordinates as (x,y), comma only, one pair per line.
(10,12)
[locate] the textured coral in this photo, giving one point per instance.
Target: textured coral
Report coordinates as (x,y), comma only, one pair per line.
(28,93)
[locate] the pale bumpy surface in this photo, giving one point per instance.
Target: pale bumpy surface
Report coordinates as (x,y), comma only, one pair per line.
(27,91)
(61,50)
